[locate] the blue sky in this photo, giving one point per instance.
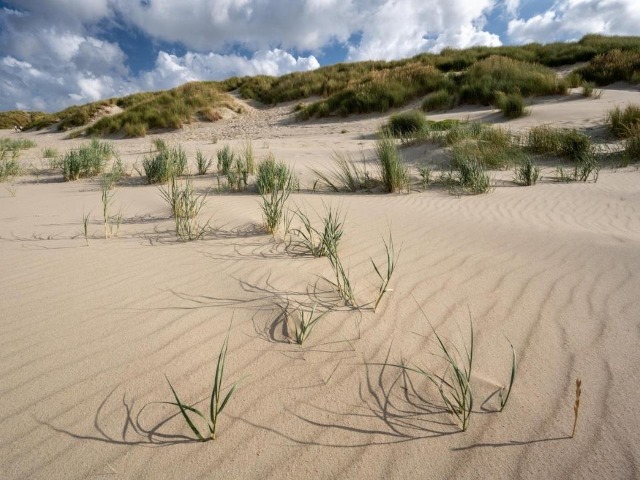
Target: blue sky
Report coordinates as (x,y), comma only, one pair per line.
(54,53)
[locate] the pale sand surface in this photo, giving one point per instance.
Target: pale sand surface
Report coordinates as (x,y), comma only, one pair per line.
(88,333)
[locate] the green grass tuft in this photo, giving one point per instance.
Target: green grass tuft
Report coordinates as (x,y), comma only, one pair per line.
(393,173)
(624,123)
(217,402)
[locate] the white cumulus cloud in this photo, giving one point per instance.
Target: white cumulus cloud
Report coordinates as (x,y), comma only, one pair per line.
(571,19)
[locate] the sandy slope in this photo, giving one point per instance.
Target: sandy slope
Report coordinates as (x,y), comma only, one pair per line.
(88,333)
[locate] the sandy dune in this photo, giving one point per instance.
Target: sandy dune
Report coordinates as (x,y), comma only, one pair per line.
(87,333)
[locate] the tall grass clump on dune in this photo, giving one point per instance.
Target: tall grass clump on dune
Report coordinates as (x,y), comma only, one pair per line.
(169,109)
(613,66)
(492,147)
(624,123)
(275,184)
(557,141)
(274,175)
(483,79)
(393,173)
(468,175)
(406,123)
(527,173)
(511,105)
(439,100)
(86,161)
(345,174)
(226,158)
(166,163)
(185,206)
(203,164)
(217,402)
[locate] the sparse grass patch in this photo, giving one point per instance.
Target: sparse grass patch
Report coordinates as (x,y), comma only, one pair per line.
(49,152)
(345,174)
(306,323)
(624,123)
(393,173)
(386,274)
(216,404)
(12,144)
(320,243)
(9,164)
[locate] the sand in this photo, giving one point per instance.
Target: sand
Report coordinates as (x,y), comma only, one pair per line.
(88,333)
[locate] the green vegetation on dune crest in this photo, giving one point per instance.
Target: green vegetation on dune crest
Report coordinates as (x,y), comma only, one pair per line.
(452,77)
(165,110)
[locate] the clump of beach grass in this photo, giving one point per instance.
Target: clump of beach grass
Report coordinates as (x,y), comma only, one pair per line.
(168,162)
(425,176)
(527,173)
(345,175)
(470,175)
(9,164)
(49,152)
(248,156)
(406,123)
(217,402)
(203,164)
(226,158)
(394,174)
(631,151)
(185,206)
(557,141)
(86,161)
(439,100)
(274,175)
(511,105)
(623,123)
(274,195)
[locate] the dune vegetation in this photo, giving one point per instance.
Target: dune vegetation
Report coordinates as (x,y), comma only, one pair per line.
(503,76)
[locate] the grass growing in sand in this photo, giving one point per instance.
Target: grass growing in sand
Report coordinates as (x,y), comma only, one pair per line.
(185,206)
(277,184)
(320,243)
(393,173)
(511,105)
(624,123)
(527,173)
(217,402)
(9,164)
(203,164)
(86,161)
(273,175)
(306,323)
(345,174)
(166,163)
(385,274)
